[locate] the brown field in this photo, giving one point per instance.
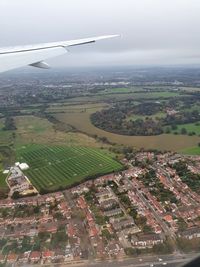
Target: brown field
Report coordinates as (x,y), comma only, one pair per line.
(81,121)
(32,129)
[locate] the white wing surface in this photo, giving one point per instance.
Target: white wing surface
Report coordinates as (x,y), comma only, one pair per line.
(35,55)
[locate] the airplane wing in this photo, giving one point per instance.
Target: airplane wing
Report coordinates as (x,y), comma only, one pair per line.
(35,55)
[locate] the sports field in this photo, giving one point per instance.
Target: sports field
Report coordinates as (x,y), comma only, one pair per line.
(53,167)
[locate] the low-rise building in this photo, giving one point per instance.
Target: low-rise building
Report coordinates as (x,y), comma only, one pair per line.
(23,258)
(12,257)
(47,255)
(190,233)
(113,212)
(146,241)
(35,256)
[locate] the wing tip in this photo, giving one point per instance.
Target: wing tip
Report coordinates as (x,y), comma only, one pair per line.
(108,36)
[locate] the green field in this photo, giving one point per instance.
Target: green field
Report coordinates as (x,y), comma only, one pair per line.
(3,183)
(190,127)
(1,123)
(155,116)
(191,151)
(54,167)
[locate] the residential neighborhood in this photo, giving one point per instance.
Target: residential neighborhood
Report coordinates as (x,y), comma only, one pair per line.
(148,207)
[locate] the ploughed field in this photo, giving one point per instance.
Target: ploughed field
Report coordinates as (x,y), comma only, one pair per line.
(56,167)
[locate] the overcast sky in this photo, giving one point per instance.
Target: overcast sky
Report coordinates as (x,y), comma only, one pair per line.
(153,31)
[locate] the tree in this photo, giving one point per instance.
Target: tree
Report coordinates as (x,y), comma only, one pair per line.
(168,130)
(174,127)
(183,131)
(16,195)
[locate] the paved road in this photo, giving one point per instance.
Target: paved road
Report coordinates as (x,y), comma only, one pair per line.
(172,261)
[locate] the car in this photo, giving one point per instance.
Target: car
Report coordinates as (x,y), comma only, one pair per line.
(160,259)
(164,263)
(140,259)
(151,265)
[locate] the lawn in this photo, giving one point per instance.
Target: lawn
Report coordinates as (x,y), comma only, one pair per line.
(3,184)
(53,167)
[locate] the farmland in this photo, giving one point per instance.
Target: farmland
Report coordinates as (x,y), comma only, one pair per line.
(81,121)
(56,167)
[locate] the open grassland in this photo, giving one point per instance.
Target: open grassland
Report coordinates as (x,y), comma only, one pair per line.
(81,121)
(31,124)
(122,90)
(3,184)
(191,151)
(54,167)
(6,137)
(32,129)
(143,95)
(190,127)
(135,116)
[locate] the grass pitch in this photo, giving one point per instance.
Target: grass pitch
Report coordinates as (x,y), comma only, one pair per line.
(55,167)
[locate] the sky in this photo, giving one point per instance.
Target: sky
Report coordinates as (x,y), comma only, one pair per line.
(153,32)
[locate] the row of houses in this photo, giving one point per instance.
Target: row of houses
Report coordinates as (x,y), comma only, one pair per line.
(33,257)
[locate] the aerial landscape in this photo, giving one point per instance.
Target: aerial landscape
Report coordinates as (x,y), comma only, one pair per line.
(99,133)
(100,165)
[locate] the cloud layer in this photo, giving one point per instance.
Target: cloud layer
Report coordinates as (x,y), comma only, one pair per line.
(153,31)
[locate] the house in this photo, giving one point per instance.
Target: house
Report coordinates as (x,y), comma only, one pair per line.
(59,255)
(12,257)
(146,240)
(89,217)
(93,231)
(23,258)
(81,202)
(48,227)
(68,253)
(35,256)
(168,218)
(71,231)
(47,255)
(2,258)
